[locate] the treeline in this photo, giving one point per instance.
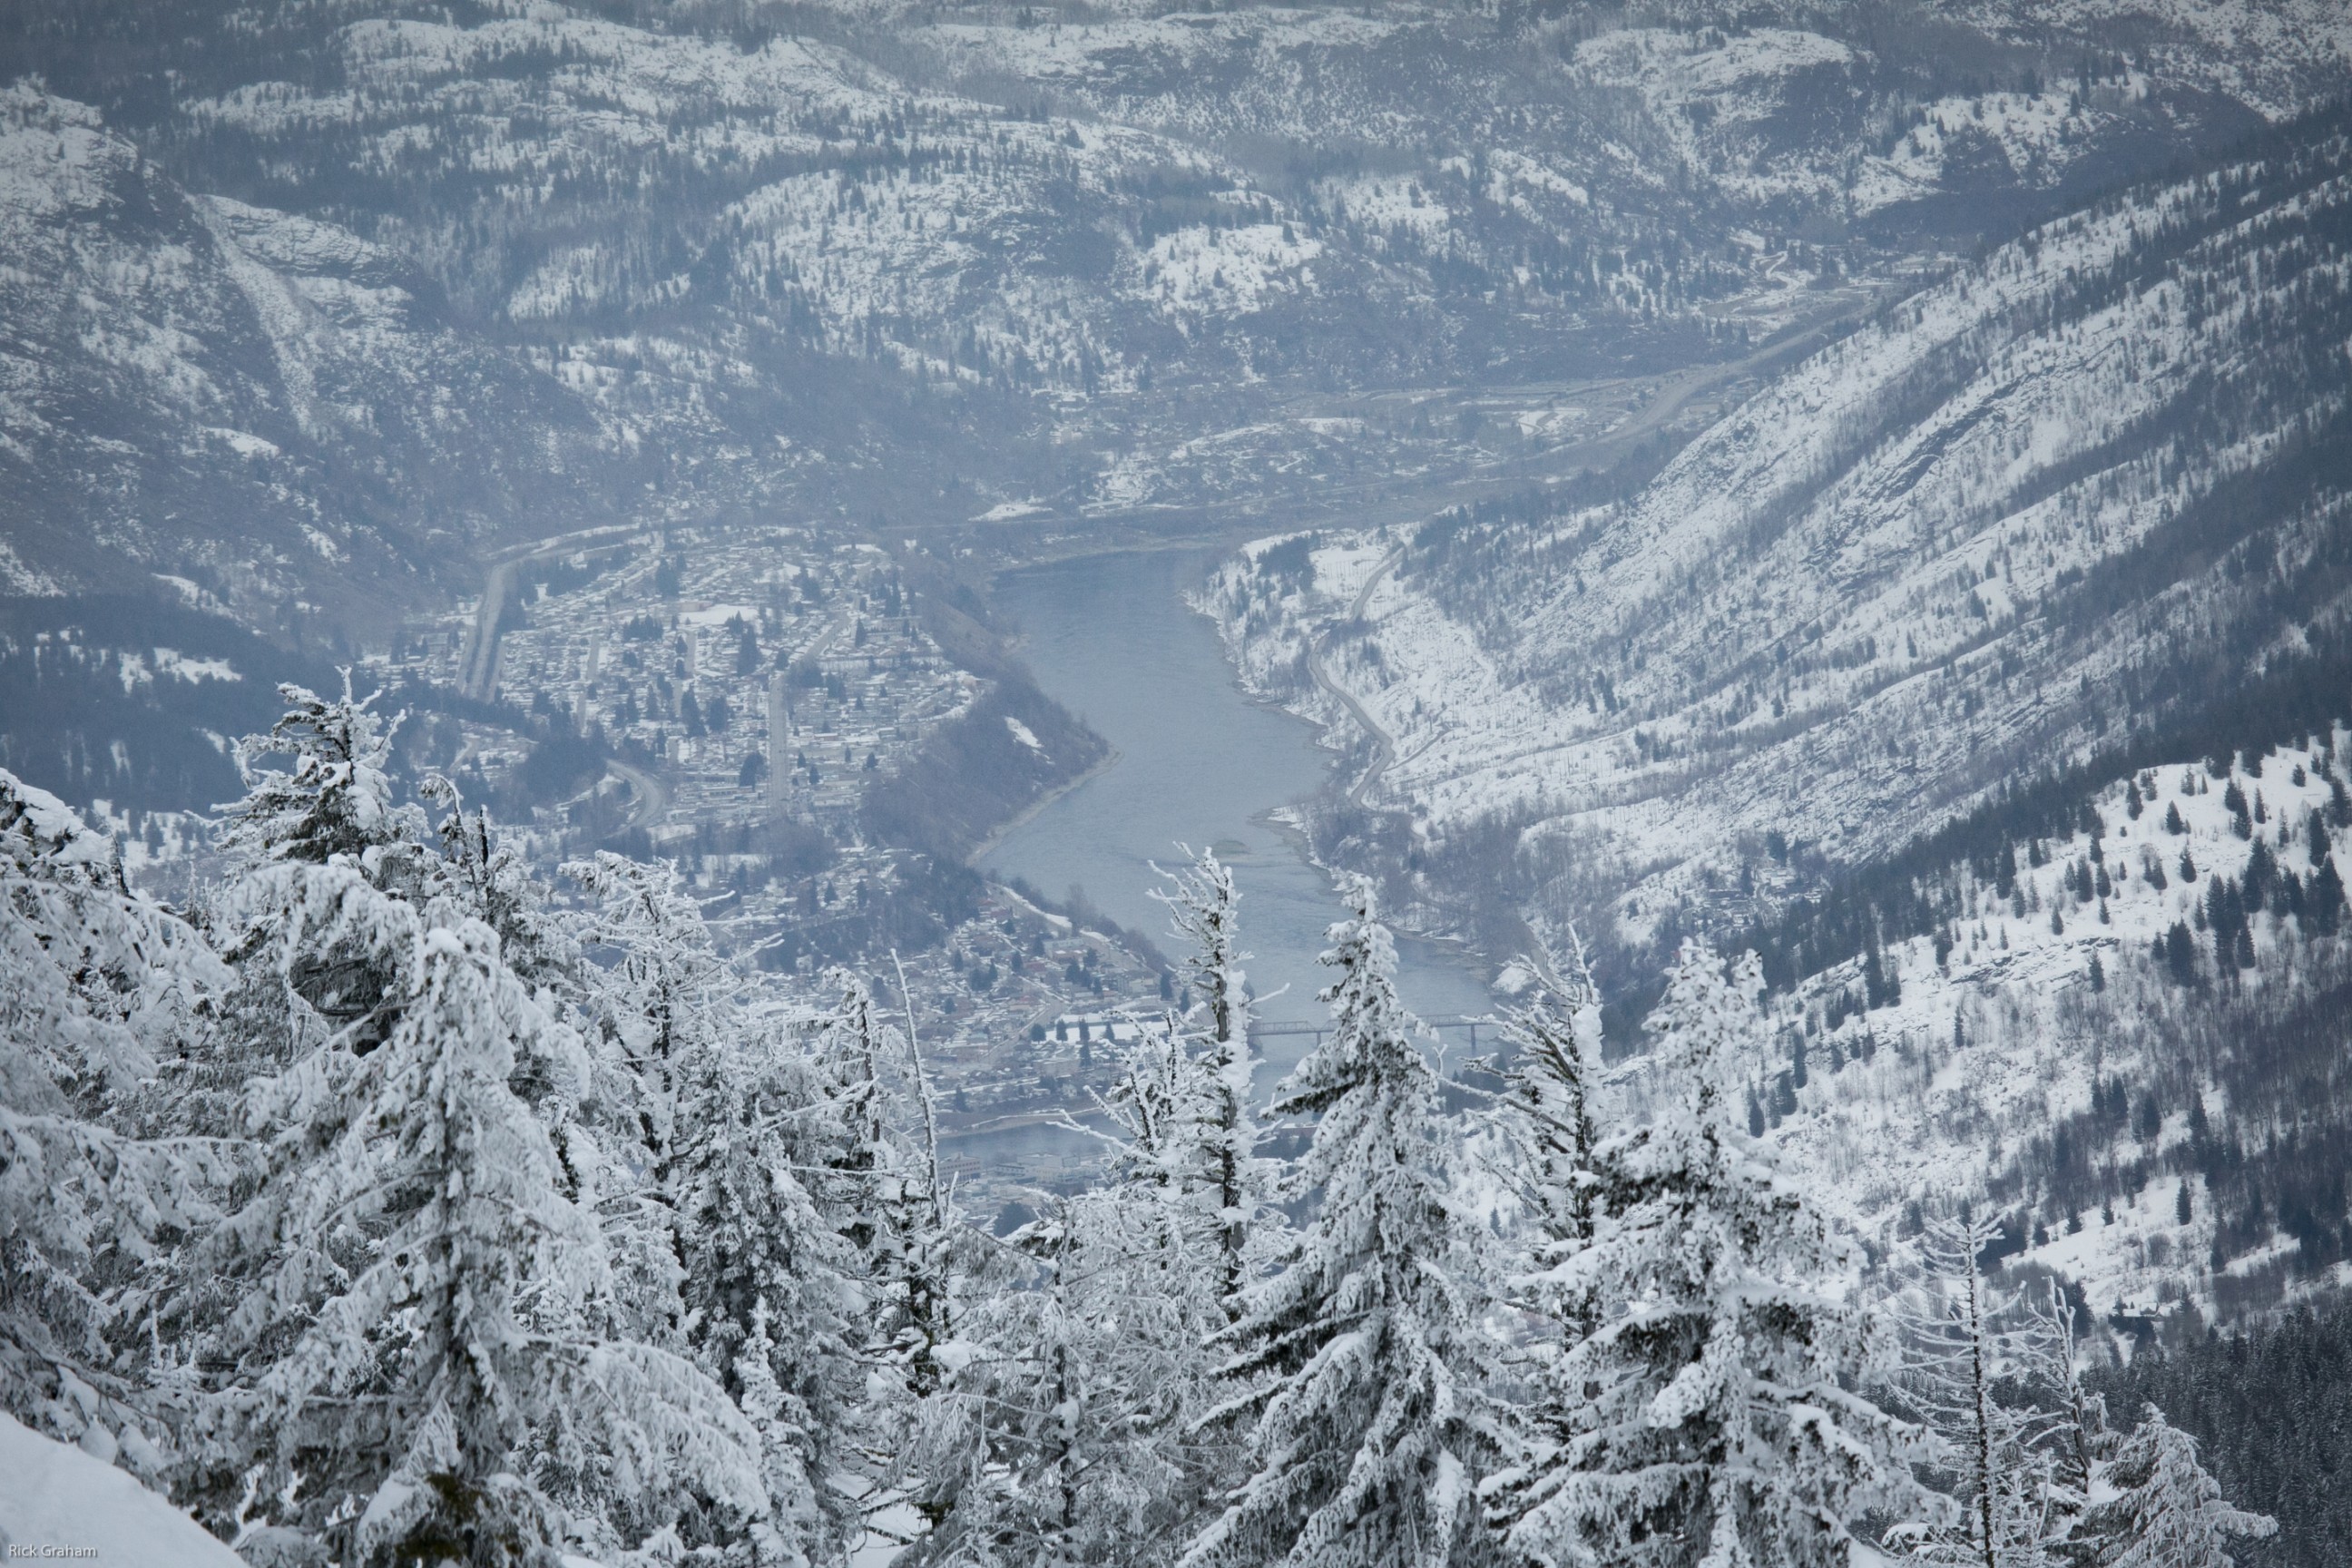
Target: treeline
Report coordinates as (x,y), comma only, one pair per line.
(385,1214)
(133,700)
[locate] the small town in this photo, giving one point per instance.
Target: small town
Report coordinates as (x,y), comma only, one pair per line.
(671,663)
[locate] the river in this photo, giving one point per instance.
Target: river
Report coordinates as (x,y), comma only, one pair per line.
(1110,638)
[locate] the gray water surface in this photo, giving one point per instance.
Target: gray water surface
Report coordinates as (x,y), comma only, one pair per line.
(1111,638)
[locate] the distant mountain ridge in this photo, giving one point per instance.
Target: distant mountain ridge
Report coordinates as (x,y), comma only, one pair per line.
(445,275)
(263,410)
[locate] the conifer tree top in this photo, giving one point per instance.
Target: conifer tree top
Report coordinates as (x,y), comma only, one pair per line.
(1364,1361)
(337,798)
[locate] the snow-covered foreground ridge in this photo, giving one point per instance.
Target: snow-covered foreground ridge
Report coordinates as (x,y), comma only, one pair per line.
(81,1508)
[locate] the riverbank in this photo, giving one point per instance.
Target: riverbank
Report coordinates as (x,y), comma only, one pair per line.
(1029,813)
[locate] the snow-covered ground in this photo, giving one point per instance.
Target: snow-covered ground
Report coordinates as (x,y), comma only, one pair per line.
(1993,1046)
(64,1504)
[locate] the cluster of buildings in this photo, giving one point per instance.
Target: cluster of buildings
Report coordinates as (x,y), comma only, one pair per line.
(724,698)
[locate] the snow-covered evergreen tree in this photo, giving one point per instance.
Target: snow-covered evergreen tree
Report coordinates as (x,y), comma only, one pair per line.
(1065,1431)
(486,873)
(798,1498)
(308,846)
(1710,1412)
(335,800)
(305,935)
(887,1190)
(1547,1129)
(1062,1432)
(1149,1196)
(851,1044)
(2077,1438)
(666,996)
(770,1286)
(1549,1118)
(1151,1104)
(873,1173)
(1220,1160)
(657,1011)
(739,1135)
(1363,1363)
(412,1337)
(97,985)
(425,1358)
(2164,1510)
(1965,1342)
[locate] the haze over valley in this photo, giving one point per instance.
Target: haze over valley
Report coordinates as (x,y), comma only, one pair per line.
(880,783)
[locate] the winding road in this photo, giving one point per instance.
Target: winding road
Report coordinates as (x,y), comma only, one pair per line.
(650,796)
(1383,748)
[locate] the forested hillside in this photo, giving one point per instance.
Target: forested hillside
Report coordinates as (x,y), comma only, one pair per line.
(353,291)
(2084,498)
(1987,675)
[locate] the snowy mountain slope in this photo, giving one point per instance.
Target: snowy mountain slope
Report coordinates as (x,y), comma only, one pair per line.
(57,1500)
(1963,542)
(261,406)
(1997,1054)
(2029,561)
(787,200)
(872,258)
(780,271)
(520,126)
